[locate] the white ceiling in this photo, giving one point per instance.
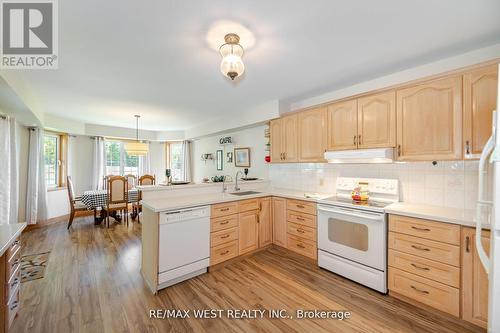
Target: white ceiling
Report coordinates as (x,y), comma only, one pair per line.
(118,58)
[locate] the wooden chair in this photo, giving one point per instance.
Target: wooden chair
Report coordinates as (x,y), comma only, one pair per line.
(143,180)
(105,181)
(75,203)
(132,181)
(117,190)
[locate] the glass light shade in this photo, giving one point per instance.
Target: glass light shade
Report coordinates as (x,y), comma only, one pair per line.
(136,148)
(232,64)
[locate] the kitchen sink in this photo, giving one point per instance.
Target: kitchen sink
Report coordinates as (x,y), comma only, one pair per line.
(245,193)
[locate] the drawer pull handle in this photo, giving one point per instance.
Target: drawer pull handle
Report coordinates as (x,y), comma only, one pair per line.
(301,246)
(420,248)
(420,290)
(16,242)
(300,218)
(300,230)
(224,253)
(224,209)
(16,281)
(421,268)
(300,206)
(420,229)
(225,222)
(15,262)
(14,305)
(225,236)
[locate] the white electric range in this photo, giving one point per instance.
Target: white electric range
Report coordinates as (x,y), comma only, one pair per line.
(352,236)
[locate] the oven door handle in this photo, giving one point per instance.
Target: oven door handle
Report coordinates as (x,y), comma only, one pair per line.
(349,212)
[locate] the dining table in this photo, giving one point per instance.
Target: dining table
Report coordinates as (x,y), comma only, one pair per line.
(95,199)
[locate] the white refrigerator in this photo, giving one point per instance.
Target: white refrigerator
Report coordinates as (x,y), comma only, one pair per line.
(491,261)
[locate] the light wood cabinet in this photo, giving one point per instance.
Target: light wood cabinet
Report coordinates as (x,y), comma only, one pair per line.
(312,126)
(265,223)
(480,88)
(342,125)
(248,231)
(284,139)
(429,120)
(377,120)
(474,279)
(279,221)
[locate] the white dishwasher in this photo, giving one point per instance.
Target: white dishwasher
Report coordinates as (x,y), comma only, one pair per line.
(184,245)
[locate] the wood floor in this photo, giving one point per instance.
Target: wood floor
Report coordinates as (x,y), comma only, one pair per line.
(93,284)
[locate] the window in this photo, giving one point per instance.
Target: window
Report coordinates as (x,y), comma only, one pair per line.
(51,153)
(118,162)
(177,161)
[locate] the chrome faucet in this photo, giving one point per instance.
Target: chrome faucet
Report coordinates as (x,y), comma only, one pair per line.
(224,187)
(236,188)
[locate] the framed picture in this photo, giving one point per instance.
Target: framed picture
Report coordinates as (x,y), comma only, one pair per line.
(229,157)
(242,157)
(219,159)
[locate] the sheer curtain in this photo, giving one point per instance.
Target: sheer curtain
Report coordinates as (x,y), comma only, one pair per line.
(98,163)
(69,159)
(5,176)
(14,172)
(186,155)
(36,196)
(145,163)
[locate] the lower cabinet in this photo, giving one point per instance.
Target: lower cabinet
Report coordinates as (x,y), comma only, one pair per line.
(301,228)
(265,223)
(279,221)
(248,231)
(10,275)
(474,279)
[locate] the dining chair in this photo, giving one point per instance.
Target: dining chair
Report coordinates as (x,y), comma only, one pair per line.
(117,190)
(105,181)
(132,181)
(143,180)
(74,202)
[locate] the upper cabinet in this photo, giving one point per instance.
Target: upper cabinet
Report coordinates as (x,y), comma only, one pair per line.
(377,120)
(429,121)
(342,125)
(480,99)
(312,135)
(284,140)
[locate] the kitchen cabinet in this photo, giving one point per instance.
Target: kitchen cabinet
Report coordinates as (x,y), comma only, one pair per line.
(10,277)
(248,227)
(279,221)
(302,228)
(480,88)
(429,121)
(312,128)
(474,279)
(284,139)
(377,120)
(265,223)
(342,125)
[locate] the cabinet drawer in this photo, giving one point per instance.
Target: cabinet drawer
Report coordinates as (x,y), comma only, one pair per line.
(12,308)
(16,245)
(246,205)
(223,252)
(13,284)
(223,236)
(302,246)
(13,262)
(301,218)
(426,268)
(438,231)
(441,252)
(224,209)
(224,222)
(301,231)
(431,293)
(301,206)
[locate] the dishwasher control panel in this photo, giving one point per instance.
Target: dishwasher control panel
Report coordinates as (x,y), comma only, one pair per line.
(185,214)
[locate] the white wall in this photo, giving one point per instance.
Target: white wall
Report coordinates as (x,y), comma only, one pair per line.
(157,153)
(250,137)
(81,165)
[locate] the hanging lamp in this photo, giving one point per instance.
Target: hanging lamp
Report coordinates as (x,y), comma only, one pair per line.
(136,148)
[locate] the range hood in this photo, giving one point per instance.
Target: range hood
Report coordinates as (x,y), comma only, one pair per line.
(377,155)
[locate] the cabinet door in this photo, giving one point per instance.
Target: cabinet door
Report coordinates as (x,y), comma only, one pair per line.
(474,279)
(480,99)
(276,141)
(312,135)
(429,121)
(265,223)
(279,221)
(342,125)
(377,120)
(248,231)
(289,138)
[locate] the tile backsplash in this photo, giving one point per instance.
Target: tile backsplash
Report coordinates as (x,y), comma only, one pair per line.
(448,183)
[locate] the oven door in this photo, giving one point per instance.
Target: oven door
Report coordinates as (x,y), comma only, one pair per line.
(357,235)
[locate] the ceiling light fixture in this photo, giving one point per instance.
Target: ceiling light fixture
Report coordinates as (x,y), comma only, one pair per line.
(232,65)
(136,148)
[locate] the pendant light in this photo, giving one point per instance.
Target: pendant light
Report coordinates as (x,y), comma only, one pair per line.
(136,148)
(232,65)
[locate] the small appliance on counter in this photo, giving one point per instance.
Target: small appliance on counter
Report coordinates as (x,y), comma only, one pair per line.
(168,174)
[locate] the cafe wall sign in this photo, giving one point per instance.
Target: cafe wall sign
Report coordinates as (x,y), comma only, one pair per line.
(226,140)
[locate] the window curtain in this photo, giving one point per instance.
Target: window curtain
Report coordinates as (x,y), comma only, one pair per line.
(69,158)
(14,172)
(186,155)
(98,163)
(36,196)
(145,163)
(8,173)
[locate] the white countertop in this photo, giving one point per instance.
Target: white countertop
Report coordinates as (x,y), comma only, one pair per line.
(172,203)
(464,217)
(8,234)
(162,187)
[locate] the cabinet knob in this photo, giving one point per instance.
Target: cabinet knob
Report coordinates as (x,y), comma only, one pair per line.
(399,150)
(467,244)
(467,147)
(359,139)
(354,140)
